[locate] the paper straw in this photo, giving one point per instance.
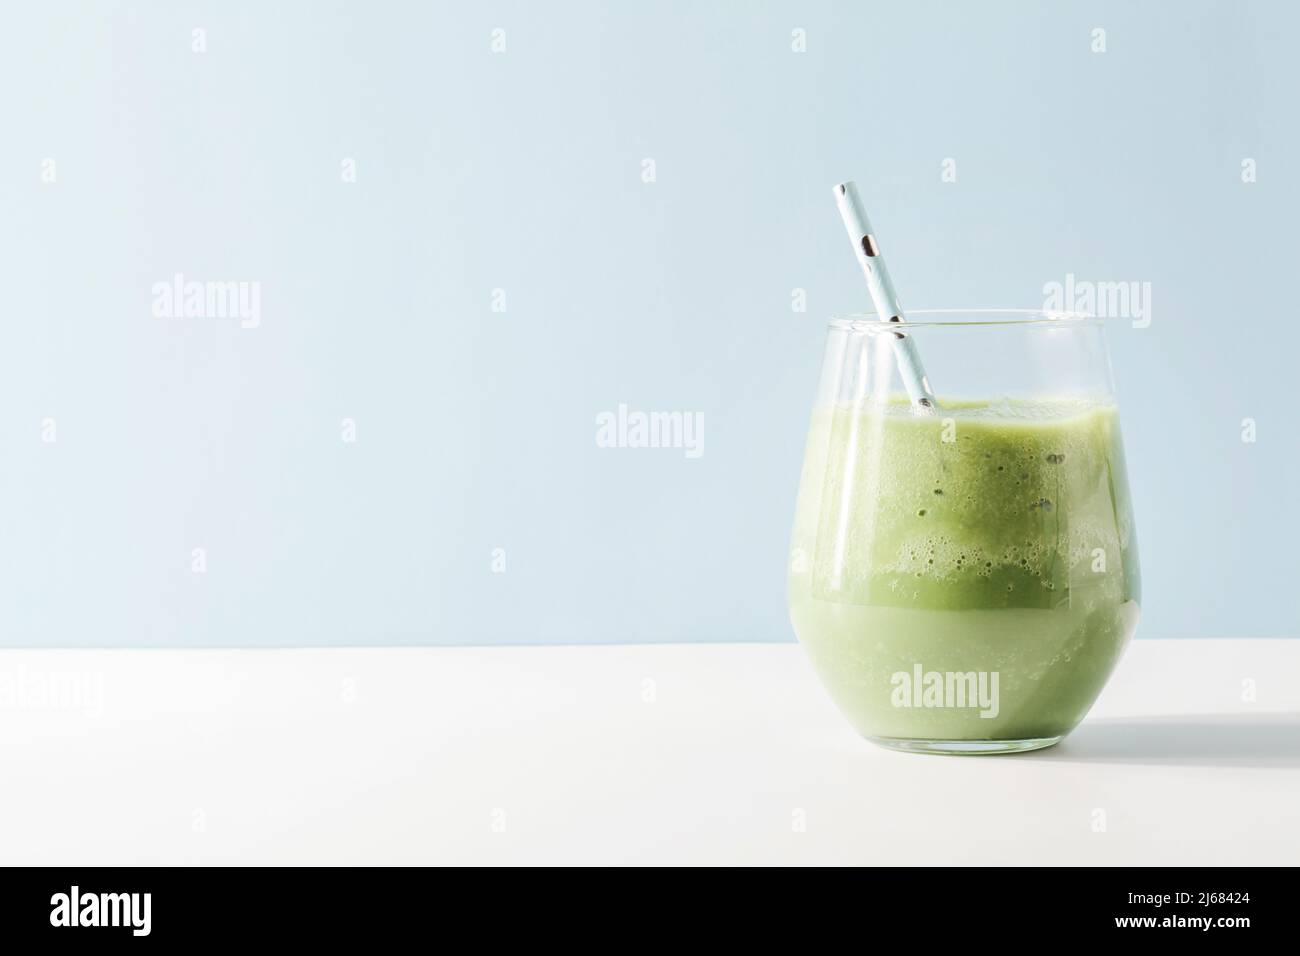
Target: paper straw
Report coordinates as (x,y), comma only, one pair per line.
(883,295)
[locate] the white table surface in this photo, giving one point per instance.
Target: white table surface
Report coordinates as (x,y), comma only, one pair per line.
(643,754)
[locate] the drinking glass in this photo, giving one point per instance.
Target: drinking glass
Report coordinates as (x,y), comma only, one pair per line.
(965,578)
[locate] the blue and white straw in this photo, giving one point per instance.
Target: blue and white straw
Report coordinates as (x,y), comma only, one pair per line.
(883,295)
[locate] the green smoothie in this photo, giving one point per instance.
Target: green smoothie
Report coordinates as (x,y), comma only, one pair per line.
(970,576)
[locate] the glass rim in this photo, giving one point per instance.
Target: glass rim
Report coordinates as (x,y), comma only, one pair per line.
(953,318)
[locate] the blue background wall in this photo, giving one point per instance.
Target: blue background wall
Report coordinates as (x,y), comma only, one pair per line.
(523,171)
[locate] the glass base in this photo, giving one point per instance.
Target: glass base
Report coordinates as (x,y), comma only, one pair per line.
(965,747)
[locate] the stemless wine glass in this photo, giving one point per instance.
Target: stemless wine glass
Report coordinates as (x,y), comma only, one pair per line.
(965,580)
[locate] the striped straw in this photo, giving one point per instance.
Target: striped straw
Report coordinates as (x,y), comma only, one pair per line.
(883,295)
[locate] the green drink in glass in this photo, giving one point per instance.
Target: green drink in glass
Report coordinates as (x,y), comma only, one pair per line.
(965,578)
